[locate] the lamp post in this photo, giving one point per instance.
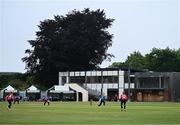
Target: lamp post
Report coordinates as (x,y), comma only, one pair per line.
(129,81)
(102,82)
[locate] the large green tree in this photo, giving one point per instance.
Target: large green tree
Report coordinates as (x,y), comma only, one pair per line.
(17,80)
(118,65)
(77,41)
(163,60)
(134,60)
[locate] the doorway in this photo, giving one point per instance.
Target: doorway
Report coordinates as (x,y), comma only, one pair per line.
(112,94)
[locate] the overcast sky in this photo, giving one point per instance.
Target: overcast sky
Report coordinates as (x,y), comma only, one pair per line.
(139,25)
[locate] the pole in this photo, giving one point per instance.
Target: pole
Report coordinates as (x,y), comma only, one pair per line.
(85,80)
(129,80)
(118,86)
(101,82)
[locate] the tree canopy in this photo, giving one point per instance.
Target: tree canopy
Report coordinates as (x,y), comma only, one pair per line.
(77,41)
(17,80)
(161,60)
(135,60)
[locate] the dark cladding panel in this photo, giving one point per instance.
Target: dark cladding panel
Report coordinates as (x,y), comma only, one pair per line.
(176,86)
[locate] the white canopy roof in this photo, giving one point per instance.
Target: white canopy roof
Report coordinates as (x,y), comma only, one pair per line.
(32,89)
(60,89)
(9,88)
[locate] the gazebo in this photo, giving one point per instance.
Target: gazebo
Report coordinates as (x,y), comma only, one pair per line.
(59,92)
(33,93)
(7,90)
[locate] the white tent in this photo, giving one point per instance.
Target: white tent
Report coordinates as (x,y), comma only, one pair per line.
(32,89)
(33,93)
(59,92)
(60,89)
(8,89)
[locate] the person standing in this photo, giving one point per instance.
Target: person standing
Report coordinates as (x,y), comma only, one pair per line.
(101,100)
(91,102)
(17,99)
(9,98)
(46,100)
(123,99)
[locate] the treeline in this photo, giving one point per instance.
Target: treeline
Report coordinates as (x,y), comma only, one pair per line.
(20,81)
(160,60)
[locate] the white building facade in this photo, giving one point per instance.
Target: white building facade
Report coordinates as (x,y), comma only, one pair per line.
(106,82)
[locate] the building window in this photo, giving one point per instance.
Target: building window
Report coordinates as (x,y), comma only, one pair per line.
(110,79)
(63,80)
(106,79)
(149,82)
(77,79)
(93,79)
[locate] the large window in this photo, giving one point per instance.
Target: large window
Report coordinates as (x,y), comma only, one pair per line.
(110,79)
(77,79)
(93,79)
(64,80)
(154,82)
(106,79)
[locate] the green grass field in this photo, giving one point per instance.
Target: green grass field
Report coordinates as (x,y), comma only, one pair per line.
(69,113)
